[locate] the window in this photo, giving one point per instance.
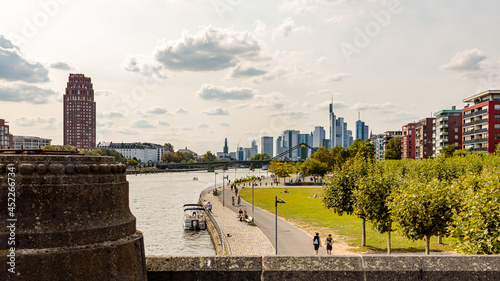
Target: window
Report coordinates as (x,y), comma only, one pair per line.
(497,116)
(456,130)
(497,106)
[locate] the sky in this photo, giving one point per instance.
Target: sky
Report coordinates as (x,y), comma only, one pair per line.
(192,73)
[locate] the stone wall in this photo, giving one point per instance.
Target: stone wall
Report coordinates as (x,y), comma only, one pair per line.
(346,268)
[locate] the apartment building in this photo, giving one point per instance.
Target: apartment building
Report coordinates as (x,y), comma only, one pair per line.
(423,138)
(447,129)
(408,141)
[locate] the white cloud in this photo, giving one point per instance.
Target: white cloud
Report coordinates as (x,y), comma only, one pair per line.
(104,123)
(246,71)
(224,124)
(44,123)
(338,77)
(202,125)
(322,61)
(103,93)
(272,101)
(18,92)
(287,27)
(125,131)
(388,106)
(216,111)
(181,110)
(143,124)
(163,123)
(326,105)
(211,48)
(61,65)
(211,92)
(110,114)
(467,60)
(15,67)
(290,114)
(299,7)
(156,110)
(144,66)
(335,19)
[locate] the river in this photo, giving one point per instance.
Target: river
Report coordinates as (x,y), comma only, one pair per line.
(156,200)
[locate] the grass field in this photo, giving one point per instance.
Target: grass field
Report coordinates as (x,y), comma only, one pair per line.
(310,215)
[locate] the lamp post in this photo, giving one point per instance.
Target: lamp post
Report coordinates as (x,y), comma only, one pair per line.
(215,180)
(253,215)
(276,201)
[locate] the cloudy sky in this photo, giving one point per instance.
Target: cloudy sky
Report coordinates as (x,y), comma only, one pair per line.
(194,72)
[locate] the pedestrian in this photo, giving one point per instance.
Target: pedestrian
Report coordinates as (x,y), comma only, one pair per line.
(329,242)
(316,243)
(240,215)
(235,190)
(239,199)
(231,188)
(232,199)
(209,207)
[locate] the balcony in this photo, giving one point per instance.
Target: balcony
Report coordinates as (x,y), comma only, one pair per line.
(477,122)
(475,141)
(476,113)
(473,132)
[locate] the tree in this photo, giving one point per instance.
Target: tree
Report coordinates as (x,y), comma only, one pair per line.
(314,167)
(476,225)
(209,156)
(323,155)
(281,169)
(132,162)
(373,197)
(423,209)
(393,151)
(366,151)
(338,155)
(107,152)
(260,157)
(447,150)
(169,147)
(354,147)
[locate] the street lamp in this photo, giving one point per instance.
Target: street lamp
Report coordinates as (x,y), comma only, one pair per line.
(215,180)
(276,201)
(253,215)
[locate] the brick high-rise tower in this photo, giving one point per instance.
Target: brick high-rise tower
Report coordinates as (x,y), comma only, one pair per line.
(79,113)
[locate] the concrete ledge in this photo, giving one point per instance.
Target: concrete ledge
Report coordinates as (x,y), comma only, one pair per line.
(366,267)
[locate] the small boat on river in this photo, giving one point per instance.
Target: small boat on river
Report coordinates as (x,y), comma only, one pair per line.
(194,217)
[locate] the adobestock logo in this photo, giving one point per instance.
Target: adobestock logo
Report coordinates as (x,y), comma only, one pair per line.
(363,37)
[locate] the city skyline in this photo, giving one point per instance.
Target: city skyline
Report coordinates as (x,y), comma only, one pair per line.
(194,72)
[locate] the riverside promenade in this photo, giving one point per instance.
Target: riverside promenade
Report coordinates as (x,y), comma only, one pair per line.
(246,239)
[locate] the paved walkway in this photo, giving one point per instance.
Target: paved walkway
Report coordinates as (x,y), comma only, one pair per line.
(244,240)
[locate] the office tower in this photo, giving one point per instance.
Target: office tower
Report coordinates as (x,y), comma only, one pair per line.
(79,113)
(447,129)
(290,140)
(349,138)
(318,135)
(255,148)
(338,130)
(279,145)
(481,121)
(266,145)
(226,148)
(6,139)
(361,130)
(423,138)
(304,138)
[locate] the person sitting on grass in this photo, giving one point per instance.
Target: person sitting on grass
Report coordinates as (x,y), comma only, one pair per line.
(286,191)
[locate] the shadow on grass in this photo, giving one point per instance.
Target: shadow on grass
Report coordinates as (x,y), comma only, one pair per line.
(378,250)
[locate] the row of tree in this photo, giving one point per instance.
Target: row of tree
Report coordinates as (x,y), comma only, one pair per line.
(457,197)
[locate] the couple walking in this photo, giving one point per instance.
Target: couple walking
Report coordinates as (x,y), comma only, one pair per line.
(328,242)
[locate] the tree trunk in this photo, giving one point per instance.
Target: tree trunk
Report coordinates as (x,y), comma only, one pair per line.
(440,239)
(389,242)
(427,243)
(363,237)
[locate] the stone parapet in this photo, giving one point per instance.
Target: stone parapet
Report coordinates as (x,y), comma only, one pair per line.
(318,268)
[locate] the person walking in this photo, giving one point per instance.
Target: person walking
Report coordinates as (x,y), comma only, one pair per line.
(239,199)
(209,207)
(329,246)
(232,199)
(316,243)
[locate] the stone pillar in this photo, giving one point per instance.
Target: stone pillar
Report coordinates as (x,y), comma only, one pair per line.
(72,219)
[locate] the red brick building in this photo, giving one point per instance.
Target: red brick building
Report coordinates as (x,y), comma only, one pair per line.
(447,129)
(481,121)
(79,113)
(408,141)
(6,139)
(423,138)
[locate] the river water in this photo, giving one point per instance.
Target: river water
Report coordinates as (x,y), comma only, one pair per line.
(156,201)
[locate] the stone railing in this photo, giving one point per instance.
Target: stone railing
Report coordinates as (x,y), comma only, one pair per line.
(346,268)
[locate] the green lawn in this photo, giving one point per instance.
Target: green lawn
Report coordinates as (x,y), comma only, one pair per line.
(310,215)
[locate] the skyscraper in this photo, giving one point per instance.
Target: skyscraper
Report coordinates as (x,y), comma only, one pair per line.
(255,148)
(79,113)
(361,130)
(291,139)
(266,145)
(318,135)
(338,130)
(226,148)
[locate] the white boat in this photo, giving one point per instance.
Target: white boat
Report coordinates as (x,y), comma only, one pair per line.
(194,217)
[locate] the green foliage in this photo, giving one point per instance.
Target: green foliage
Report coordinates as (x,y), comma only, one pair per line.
(260,157)
(323,155)
(169,146)
(314,167)
(208,157)
(107,152)
(281,169)
(66,147)
(447,150)
(393,151)
(132,162)
(476,226)
(177,157)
